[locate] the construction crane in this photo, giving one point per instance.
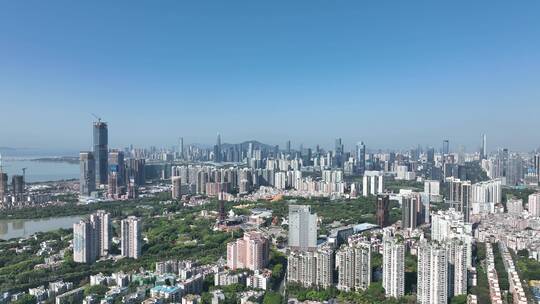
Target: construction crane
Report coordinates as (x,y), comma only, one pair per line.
(97,117)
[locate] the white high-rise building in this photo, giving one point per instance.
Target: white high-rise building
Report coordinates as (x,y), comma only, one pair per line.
(514,206)
(534,204)
(354,266)
(432,187)
(393,266)
(442,271)
(131,237)
(432,284)
(102,224)
(85,247)
(485,195)
(449,224)
(92,237)
(302,228)
(176,191)
(311,268)
(373,183)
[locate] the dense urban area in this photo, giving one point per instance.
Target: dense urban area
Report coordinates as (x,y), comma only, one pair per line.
(253,223)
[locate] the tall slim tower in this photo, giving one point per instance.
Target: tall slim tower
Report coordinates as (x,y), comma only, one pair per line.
(383,202)
(3,181)
(87,180)
(393,266)
(483,150)
(361,157)
(131,237)
(302,228)
(446,147)
(100,150)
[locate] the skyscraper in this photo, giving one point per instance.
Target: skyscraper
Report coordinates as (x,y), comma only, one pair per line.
(442,271)
(176,191)
(302,228)
(92,237)
(84,242)
(3,185)
(17,187)
(410,207)
(446,147)
(87,180)
(100,151)
(537,166)
(354,266)
(383,202)
(118,165)
(101,222)
(288,147)
(3,181)
(361,158)
(432,274)
(534,204)
(131,237)
(483,149)
(136,171)
(181,148)
(393,266)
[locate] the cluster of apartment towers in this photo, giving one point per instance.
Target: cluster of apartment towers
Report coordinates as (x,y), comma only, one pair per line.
(92,237)
(443,262)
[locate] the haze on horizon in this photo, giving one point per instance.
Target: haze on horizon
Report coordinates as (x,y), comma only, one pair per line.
(393,75)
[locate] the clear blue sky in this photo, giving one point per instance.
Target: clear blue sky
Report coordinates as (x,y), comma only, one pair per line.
(391,73)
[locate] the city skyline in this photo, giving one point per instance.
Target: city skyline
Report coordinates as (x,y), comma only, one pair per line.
(385,74)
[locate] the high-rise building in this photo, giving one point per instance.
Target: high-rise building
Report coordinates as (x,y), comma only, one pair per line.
(3,185)
(383,203)
(131,237)
(251,251)
(113,186)
(432,274)
(101,222)
(87,180)
(117,165)
(136,171)
(537,166)
(176,191)
(361,158)
(485,195)
(84,242)
(181,154)
(354,266)
(92,237)
(17,187)
(311,268)
(410,206)
(483,149)
(288,147)
(534,204)
(3,181)
(442,271)
(372,183)
(393,266)
(302,228)
(446,147)
(100,151)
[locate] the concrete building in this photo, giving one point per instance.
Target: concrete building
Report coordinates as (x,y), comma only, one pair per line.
(92,237)
(131,237)
(251,251)
(534,204)
(176,191)
(353,263)
(87,180)
(393,266)
(372,183)
(302,228)
(383,203)
(101,139)
(311,268)
(432,284)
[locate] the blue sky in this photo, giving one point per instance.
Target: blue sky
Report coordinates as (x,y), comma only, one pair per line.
(391,73)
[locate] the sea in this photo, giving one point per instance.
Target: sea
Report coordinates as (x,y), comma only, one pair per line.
(38,171)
